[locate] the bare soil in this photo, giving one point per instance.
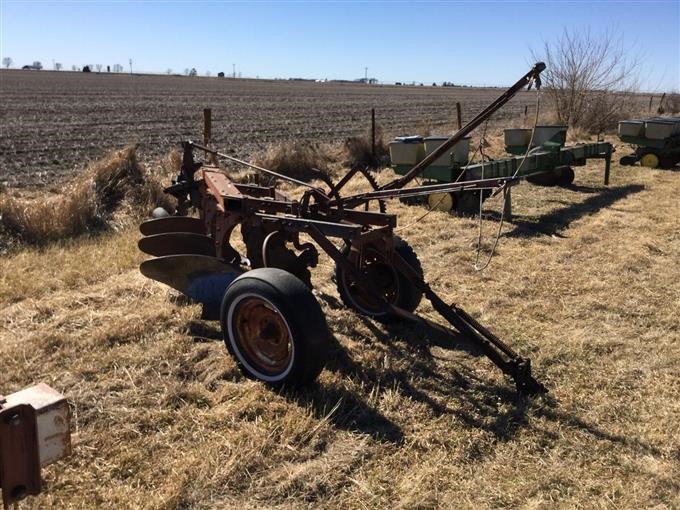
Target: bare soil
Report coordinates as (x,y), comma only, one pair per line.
(54,123)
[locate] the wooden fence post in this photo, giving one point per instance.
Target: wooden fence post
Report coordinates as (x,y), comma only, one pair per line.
(207,126)
(373,134)
(459,116)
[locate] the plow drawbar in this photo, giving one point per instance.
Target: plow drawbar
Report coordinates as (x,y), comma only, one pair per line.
(262,293)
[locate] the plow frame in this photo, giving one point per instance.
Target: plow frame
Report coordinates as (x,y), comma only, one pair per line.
(224,205)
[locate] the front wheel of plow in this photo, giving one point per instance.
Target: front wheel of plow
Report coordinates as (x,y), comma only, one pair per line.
(274,328)
(386,279)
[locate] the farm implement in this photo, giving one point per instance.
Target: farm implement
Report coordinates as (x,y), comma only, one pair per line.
(656,141)
(271,321)
(540,157)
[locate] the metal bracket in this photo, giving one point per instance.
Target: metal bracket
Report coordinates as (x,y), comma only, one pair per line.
(19,456)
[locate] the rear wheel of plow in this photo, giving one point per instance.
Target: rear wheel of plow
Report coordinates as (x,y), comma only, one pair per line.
(274,328)
(389,282)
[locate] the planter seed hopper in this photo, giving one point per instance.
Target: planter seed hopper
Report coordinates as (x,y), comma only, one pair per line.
(271,321)
(543,160)
(656,141)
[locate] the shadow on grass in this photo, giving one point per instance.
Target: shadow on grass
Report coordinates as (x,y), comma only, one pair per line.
(414,372)
(452,389)
(346,410)
(553,222)
(445,386)
(203,331)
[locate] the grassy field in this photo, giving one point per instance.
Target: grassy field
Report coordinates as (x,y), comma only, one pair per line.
(585,282)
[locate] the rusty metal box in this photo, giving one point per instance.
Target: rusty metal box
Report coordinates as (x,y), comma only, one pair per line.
(52,419)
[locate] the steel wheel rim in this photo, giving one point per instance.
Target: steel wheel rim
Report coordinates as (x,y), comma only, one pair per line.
(440,201)
(383,275)
(262,335)
(650,160)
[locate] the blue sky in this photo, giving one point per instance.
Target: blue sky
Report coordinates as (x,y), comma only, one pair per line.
(477,43)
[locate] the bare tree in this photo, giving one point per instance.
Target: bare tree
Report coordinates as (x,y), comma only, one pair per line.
(99,68)
(57,66)
(7,62)
(169,71)
(588,78)
(117,68)
(37,65)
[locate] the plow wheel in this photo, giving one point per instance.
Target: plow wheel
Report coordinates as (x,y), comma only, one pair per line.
(334,189)
(391,284)
(274,328)
(382,206)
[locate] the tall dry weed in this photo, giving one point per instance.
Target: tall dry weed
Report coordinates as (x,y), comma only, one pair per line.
(295,159)
(107,195)
(359,149)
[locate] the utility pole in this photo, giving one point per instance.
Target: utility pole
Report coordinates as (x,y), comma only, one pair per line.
(130,66)
(233,70)
(365,74)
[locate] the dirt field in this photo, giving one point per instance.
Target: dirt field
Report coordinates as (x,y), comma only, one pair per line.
(53,123)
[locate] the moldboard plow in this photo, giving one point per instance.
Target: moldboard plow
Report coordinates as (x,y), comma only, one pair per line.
(271,322)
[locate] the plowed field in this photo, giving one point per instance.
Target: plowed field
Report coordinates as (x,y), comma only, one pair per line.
(53,123)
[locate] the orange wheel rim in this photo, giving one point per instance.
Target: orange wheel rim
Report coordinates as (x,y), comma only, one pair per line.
(263,335)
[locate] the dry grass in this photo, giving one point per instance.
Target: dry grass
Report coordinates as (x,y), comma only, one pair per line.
(296,159)
(107,195)
(585,282)
(359,149)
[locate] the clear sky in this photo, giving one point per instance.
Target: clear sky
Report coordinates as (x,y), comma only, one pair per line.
(476,43)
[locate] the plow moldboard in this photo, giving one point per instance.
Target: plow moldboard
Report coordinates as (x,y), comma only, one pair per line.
(177,243)
(202,278)
(172,224)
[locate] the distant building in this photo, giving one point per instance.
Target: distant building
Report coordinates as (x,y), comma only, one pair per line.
(35,66)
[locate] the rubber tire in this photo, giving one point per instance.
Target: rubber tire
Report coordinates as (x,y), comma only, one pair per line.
(566,177)
(409,297)
(547,179)
(300,310)
(628,160)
